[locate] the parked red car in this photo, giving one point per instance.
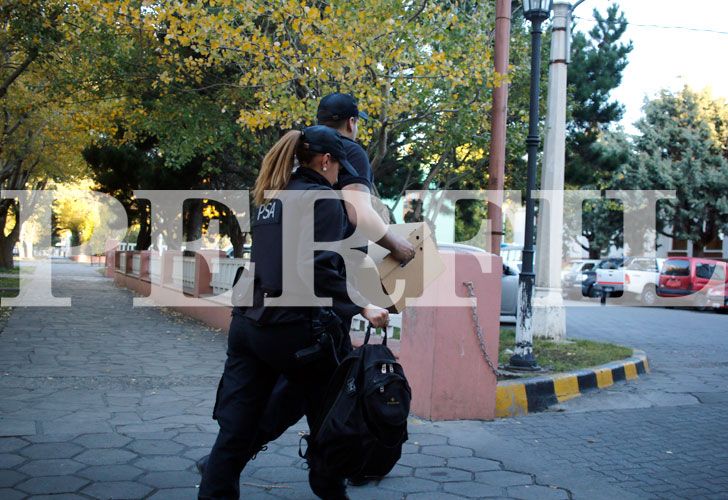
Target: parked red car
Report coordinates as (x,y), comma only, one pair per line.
(693,276)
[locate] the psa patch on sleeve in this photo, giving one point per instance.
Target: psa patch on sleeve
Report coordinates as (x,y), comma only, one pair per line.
(268,213)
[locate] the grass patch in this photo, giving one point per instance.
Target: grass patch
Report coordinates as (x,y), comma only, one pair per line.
(565,356)
(9,287)
(16,270)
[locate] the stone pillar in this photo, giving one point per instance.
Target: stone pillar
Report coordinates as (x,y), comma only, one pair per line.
(111,262)
(166,263)
(129,259)
(203,273)
(549,318)
(440,351)
(144,265)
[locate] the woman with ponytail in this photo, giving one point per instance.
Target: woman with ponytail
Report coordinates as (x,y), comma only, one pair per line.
(298,341)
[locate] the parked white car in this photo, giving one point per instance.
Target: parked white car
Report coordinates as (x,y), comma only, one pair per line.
(637,278)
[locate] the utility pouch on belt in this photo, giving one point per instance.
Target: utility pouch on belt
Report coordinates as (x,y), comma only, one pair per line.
(326,333)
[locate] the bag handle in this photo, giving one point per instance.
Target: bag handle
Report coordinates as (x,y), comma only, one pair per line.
(369,332)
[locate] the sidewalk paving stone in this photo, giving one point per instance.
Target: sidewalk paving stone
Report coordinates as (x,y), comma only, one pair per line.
(536,492)
(473,464)
(174,494)
(443,474)
(117,489)
(106,456)
(51,467)
(51,450)
(9,494)
(111,472)
(8,461)
(12,444)
(107,440)
(52,484)
(171,479)
(155,447)
(503,478)
(10,478)
(163,463)
(474,490)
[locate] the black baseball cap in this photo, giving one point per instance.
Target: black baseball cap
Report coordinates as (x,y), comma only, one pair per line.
(336,106)
(323,139)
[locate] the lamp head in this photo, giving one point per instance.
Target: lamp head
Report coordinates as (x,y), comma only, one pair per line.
(537,9)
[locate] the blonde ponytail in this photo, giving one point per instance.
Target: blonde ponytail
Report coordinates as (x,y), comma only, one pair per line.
(275,172)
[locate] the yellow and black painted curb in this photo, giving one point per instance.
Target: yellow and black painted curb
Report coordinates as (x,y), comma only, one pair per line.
(520,397)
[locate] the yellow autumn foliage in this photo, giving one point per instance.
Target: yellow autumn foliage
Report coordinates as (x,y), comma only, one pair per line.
(401,59)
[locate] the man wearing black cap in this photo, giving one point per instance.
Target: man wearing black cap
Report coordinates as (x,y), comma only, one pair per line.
(341,112)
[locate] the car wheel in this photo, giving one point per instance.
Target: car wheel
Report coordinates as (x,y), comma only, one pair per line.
(648,296)
(593,293)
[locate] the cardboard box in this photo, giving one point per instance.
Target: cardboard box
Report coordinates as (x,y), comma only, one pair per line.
(395,282)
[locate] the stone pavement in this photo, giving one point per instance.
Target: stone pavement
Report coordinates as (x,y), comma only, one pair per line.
(104,401)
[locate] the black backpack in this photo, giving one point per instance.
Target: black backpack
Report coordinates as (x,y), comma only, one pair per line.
(363,424)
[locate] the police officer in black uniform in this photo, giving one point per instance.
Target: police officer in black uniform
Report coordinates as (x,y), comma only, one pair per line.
(265,342)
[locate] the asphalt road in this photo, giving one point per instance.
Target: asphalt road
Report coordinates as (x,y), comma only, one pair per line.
(662,436)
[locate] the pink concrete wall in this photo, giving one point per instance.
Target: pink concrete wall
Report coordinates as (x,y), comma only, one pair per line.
(440,351)
(215,316)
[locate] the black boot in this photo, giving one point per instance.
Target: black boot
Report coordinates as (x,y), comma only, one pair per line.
(327,488)
(201,464)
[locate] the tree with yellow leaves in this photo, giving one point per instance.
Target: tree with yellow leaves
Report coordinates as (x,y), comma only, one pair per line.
(232,74)
(268,63)
(51,103)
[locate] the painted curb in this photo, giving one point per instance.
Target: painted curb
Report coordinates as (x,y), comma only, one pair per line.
(521,397)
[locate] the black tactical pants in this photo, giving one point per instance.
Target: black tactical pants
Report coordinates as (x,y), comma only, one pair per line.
(286,404)
(256,358)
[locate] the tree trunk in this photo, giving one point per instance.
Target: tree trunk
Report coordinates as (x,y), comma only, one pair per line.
(7,243)
(236,235)
(193,224)
(144,238)
(595,252)
(6,253)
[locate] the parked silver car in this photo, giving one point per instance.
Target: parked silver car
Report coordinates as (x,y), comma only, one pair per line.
(571,276)
(509,278)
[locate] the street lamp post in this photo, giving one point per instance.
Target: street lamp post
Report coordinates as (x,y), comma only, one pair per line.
(536,11)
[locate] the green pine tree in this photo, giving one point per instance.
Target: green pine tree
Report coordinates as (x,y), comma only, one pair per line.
(683,146)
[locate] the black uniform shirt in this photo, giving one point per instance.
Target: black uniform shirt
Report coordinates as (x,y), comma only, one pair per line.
(330,224)
(360,161)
